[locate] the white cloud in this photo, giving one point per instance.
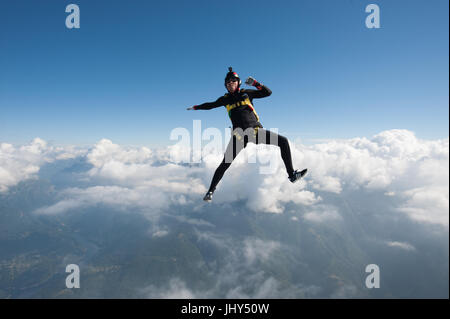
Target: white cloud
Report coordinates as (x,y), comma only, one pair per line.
(322,214)
(427,204)
(146,199)
(176,289)
(257,249)
(236,277)
(60,207)
(106,151)
(19,163)
(394,162)
(402,245)
(345,291)
(160,233)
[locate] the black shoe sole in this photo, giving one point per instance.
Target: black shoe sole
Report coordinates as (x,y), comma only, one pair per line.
(207,200)
(302,173)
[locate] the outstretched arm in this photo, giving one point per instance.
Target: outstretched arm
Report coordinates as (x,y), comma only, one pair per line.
(208,105)
(261,90)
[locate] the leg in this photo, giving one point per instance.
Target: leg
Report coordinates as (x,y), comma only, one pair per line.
(268,137)
(234,147)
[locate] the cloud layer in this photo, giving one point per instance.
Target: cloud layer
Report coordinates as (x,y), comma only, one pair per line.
(395,162)
(262,236)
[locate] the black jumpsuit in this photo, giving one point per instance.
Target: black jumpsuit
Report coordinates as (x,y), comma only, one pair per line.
(246,128)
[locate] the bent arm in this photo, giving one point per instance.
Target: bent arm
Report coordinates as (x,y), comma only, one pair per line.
(262,91)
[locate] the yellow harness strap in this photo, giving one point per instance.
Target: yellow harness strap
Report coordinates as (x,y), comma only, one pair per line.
(244,102)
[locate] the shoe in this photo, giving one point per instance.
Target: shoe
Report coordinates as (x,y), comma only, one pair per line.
(297,175)
(208,197)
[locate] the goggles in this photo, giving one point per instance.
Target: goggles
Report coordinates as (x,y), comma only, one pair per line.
(231,80)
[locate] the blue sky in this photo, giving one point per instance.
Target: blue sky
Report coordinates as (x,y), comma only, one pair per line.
(131,70)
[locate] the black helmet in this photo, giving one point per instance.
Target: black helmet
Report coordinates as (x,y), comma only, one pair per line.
(231,75)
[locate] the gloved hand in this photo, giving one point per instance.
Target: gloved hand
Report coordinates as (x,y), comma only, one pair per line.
(250,81)
(191,108)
